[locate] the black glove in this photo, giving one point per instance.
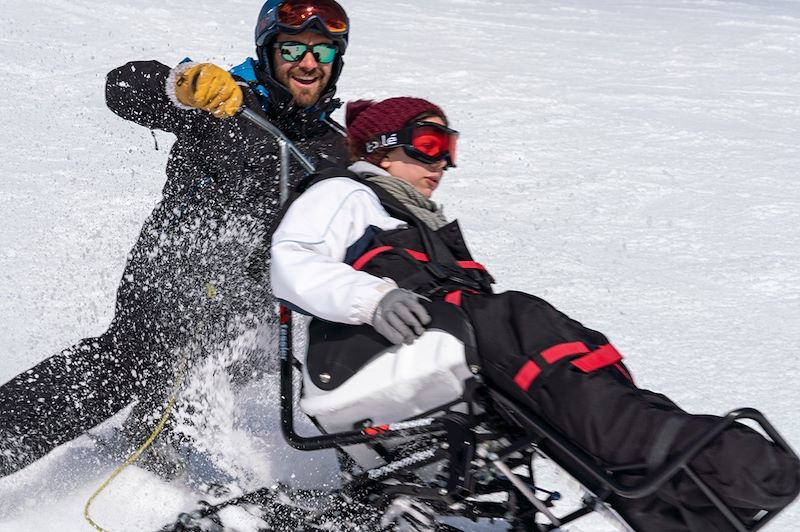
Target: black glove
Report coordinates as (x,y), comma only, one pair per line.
(400,317)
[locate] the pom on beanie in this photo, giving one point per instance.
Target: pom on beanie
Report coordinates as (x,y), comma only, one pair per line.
(354,109)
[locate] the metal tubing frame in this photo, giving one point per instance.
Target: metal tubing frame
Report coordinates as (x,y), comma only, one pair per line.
(587,465)
(664,473)
(526,491)
(281,137)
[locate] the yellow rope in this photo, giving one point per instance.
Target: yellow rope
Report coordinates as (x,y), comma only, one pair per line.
(135,456)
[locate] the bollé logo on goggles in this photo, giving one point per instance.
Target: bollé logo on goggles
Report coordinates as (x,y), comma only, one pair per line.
(384,141)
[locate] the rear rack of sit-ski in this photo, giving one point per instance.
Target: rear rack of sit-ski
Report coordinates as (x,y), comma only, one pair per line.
(459,442)
(587,470)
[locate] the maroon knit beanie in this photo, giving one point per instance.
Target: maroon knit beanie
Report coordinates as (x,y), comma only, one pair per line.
(366,119)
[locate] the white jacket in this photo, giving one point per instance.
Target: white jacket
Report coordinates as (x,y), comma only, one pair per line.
(308,250)
(309,247)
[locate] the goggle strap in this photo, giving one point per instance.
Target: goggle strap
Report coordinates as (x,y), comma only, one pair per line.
(313,23)
(387,140)
(404,136)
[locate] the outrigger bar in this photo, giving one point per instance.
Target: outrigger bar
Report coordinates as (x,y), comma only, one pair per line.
(325,441)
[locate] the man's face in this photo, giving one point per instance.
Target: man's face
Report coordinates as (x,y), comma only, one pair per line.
(305,79)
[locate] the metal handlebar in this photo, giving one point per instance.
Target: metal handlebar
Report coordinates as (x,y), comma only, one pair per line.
(286,146)
(287,150)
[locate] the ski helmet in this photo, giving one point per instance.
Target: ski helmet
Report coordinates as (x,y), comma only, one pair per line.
(296,16)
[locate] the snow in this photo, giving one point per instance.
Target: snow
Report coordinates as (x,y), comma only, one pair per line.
(632,161)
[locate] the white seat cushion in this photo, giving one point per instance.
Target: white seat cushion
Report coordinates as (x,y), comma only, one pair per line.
(397,384)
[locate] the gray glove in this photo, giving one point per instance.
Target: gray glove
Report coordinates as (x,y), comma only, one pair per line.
(400,318)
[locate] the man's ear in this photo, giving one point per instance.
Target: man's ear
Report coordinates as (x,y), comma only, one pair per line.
(385,163)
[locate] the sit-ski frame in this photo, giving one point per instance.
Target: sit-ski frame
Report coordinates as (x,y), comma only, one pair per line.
(457,433)
(467,453)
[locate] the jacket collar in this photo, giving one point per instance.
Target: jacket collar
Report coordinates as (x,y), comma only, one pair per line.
(276,101)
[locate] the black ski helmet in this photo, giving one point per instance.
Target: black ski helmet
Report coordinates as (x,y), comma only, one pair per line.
(324,16)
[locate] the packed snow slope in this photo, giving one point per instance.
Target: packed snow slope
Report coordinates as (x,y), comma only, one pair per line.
(635,162)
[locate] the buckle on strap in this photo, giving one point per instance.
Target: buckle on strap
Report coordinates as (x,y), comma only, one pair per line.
(436,270)
(445,275)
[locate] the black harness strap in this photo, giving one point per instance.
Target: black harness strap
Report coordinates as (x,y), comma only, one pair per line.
(438,252)
(443,266)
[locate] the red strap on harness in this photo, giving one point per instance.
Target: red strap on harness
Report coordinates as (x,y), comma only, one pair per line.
(416,255)
(601,357)
(471,265)
(605,355)
(557,352)
(466,264)
(454,297)
(369,255)
(526,375)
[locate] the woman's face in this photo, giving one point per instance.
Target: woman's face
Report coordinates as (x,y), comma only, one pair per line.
(424,177)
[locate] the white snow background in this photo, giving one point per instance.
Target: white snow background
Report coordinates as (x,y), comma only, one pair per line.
(632,161)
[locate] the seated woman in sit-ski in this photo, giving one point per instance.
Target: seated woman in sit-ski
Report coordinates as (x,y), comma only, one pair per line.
(370,247)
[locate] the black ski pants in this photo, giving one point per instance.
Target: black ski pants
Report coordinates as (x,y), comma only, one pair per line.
(69,393)
(136,358)
(524,345)
(195,279)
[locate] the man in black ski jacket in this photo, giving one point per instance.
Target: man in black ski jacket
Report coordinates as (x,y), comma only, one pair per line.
(197,277)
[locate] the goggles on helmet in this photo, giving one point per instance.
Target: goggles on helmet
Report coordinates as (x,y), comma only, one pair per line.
(295,16)
(293,52)
(427,142)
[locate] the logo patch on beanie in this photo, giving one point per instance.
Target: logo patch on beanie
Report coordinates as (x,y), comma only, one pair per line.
(385,141)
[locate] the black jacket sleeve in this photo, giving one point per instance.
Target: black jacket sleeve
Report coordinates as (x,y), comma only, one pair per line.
(136,92)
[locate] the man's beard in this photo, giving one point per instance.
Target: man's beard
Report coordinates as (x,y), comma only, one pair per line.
(305,96)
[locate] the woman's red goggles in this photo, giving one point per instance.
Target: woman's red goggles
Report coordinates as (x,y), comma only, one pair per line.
(296,14)
(427,142)
(432,142)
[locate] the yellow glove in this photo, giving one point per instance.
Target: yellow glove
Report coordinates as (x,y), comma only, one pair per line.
(210,88)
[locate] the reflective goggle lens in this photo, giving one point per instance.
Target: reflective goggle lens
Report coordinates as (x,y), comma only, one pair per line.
(431,143)
(295,13)
(323,53)
(435,142)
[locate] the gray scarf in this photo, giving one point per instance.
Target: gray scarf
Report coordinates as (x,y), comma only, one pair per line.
(420,206)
